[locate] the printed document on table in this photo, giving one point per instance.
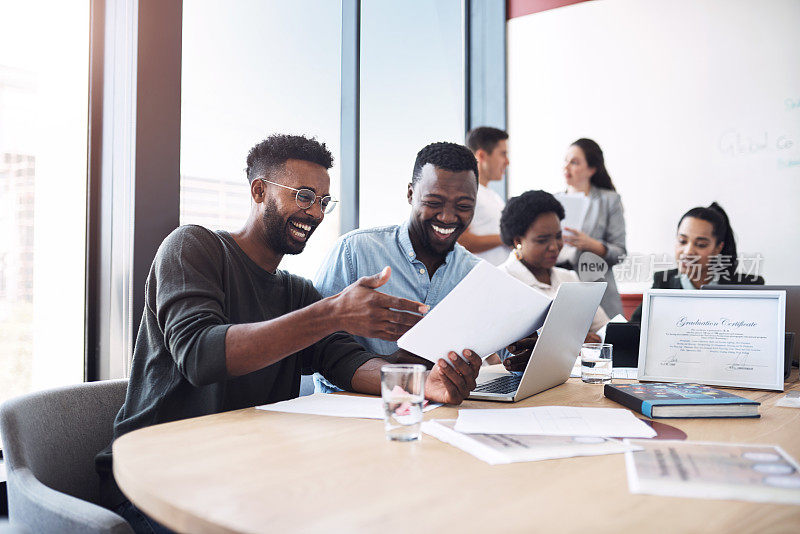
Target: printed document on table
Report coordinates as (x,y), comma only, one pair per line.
(485,312)
(555,421)
(575,207)
(506,448)
(335,405)
(760,473)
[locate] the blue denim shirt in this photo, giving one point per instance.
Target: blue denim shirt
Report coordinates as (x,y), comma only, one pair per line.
(366,252)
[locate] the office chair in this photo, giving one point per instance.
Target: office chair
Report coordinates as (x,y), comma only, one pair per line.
(50,439)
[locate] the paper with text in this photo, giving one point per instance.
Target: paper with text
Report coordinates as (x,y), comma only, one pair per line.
(335,405)
(506,448)
(760,473)
(555,421)
(485,312)
(713,339)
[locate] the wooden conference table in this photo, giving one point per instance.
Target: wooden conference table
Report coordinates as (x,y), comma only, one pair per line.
(257,471)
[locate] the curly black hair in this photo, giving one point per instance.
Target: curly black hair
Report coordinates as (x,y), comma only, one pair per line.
(520,213)
(485,137)
(448,156)
(273,152)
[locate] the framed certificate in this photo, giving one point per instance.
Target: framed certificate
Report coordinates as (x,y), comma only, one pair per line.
(718,338)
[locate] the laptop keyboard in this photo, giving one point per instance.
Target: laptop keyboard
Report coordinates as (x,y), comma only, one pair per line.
(502,384)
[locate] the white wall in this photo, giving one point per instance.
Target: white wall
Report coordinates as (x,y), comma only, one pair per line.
(691,100)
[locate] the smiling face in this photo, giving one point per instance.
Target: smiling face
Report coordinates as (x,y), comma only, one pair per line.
(577,172)
(442,206)
(286,226)
(695,244)
(542,242)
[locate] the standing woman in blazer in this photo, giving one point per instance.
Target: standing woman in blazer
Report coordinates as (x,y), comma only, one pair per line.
(603,230)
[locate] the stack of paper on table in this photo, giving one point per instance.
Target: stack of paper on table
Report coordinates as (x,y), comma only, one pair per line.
(335,405)
(760,473)
(554,421)
(488,310)
(505,448)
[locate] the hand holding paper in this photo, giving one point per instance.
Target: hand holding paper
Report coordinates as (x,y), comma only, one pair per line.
(485,312)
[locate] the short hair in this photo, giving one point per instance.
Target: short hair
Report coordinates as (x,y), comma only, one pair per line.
(521,211)
(448,156)
(272,153)
(485,137)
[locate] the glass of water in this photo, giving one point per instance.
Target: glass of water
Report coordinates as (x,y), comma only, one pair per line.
(403,393)
(596,366)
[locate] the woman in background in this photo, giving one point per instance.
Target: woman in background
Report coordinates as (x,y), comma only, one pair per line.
(603,228)
(531,225)
(705,250)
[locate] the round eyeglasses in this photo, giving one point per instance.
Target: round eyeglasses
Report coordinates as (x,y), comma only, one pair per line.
(305,198)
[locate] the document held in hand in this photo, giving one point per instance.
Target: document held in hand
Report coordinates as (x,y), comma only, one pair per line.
(485,312)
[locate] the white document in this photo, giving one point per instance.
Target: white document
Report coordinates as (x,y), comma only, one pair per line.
(335,405)
(626,373)
(504,448)
(760,473)
(575,207)
(791,400)
(725,338)
(555,421)
(601,332)
(485,312)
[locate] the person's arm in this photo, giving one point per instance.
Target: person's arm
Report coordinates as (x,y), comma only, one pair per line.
(449,384)
(479,243)
(614,240)
(358,310)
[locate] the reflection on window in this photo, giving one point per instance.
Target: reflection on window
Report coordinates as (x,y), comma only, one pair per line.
(251,69)
(44,72)
(412,94)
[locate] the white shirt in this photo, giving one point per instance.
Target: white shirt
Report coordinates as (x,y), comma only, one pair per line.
(486,221)
(558,276)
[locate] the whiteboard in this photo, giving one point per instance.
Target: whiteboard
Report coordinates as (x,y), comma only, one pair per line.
(691,100)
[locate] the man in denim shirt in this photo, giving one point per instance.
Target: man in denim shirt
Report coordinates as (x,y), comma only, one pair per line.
(425,260)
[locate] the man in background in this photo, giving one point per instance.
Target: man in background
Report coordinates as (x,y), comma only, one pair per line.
(482,238)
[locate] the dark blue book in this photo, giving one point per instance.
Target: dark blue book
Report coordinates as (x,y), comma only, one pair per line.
(658,400)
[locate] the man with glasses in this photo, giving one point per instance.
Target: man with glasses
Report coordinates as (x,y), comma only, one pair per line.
(426,261)
(224,329)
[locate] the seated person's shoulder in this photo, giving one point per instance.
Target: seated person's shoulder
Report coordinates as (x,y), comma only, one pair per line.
(744,279)
(191,238)
(661,279)
(367,235)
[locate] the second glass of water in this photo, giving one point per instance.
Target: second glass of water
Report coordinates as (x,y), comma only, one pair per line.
(403,393)
(596,366)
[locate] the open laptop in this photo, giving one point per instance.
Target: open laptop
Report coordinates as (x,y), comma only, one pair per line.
(792,308)
(559,343)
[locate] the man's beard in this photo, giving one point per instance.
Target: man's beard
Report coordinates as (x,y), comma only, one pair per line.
(276,232)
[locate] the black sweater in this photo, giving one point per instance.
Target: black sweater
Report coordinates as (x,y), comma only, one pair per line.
(199,285)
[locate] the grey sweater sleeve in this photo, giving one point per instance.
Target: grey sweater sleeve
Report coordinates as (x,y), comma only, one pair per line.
(337,356)
(187,301)
(614,238)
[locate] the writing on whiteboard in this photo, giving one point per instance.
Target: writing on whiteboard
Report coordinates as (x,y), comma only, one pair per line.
(734,143)
(792,103)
